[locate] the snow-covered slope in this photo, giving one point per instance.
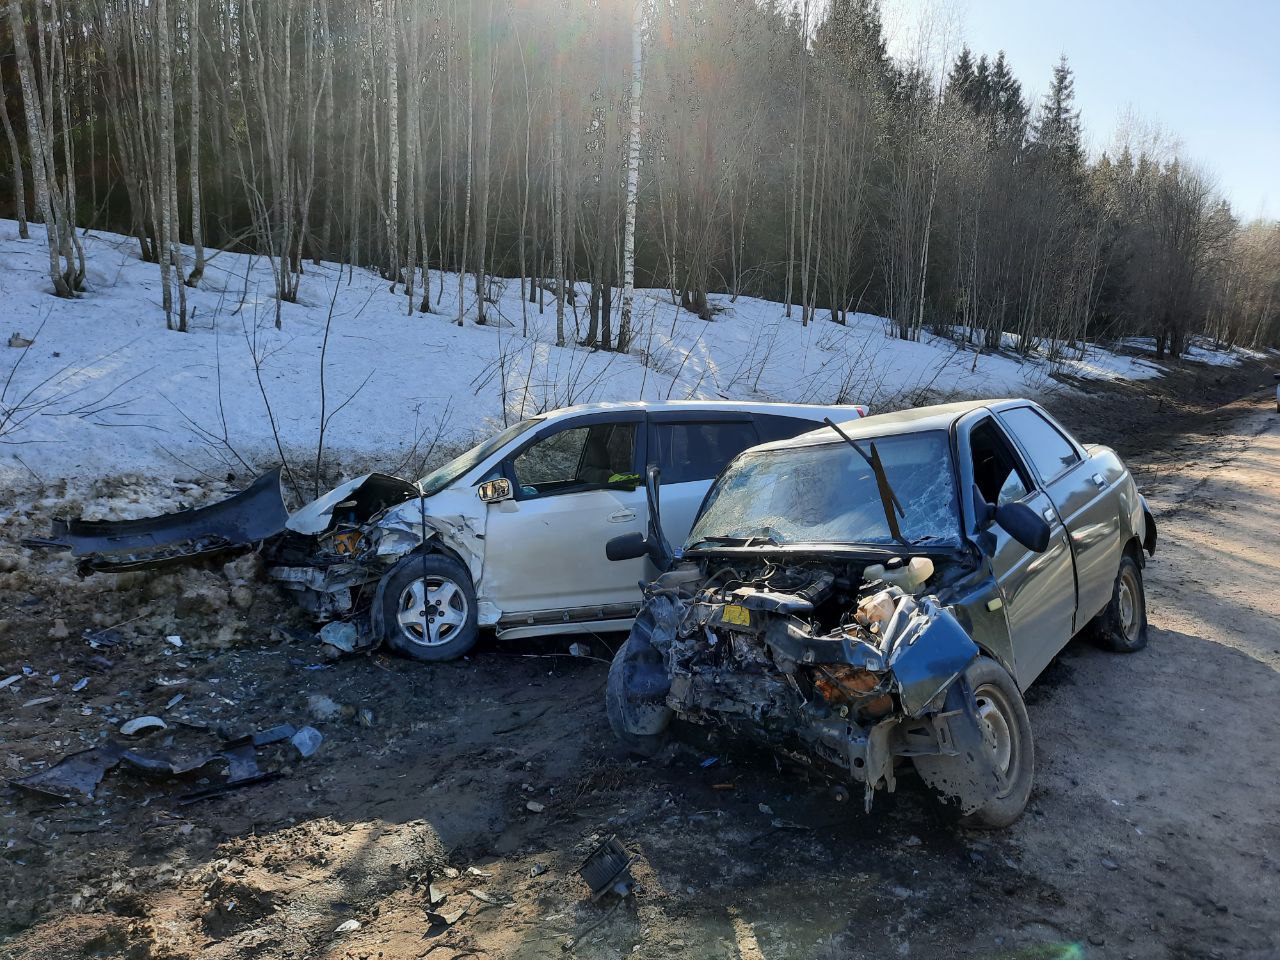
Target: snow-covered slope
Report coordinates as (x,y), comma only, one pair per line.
(106,389)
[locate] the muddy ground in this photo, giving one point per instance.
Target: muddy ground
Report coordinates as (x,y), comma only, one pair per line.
(1153,831)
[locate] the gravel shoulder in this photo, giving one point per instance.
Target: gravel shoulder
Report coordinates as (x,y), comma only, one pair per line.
(1153,832)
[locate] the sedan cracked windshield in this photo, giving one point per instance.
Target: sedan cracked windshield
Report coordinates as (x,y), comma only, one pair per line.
(840,600)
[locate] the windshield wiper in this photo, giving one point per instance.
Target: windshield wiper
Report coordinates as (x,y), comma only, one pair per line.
(888,499)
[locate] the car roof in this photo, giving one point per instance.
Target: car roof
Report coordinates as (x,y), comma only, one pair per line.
(916,420)
(807,411)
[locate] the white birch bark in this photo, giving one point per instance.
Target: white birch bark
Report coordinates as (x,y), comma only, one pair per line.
(633,179)
(36,144)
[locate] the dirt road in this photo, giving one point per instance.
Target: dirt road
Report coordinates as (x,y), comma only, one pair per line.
(1153,832)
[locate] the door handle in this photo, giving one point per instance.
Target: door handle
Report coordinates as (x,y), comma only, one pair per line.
(1101,483)
(622,516)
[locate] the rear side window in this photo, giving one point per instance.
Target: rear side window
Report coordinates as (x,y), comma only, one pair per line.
(784,428)
(686,452)
(1047,449)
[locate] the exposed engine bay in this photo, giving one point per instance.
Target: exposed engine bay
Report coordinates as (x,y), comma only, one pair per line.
(840,666)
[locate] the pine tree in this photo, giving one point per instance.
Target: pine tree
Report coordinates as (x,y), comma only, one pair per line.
(1057,130)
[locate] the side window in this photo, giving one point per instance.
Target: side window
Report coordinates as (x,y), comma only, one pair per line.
(997,470)
(580,458)
(784,428)
(1049,451)
(699,451)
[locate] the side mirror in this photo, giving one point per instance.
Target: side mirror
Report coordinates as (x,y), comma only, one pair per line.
(629,546)
(1024,525)
(983,513)
(493,491)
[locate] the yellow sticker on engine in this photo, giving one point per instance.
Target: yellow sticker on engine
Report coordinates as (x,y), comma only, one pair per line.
(735,614)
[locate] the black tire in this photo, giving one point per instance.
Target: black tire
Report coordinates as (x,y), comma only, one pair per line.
(1005,719)
(636,705)
(1122,625)
(448,594)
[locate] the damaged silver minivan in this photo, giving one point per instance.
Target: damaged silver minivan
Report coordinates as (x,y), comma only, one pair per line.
(881,592)
(508,535)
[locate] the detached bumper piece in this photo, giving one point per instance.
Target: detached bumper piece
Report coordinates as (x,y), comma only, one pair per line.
(236,524)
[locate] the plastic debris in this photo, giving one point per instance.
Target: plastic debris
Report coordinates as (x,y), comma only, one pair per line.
(140,725)
(307,740)
(446,918)
(9,681)
(173,641)
(340,635)
(80,684)
(347,926)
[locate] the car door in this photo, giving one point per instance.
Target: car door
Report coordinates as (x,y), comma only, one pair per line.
(1083,495)
(1038,589)
(691,450)
(575,485)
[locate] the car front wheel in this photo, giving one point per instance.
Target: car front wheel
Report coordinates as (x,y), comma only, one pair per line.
(429,608)
(1006,732)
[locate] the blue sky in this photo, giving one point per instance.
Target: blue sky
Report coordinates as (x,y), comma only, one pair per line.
(1206,72)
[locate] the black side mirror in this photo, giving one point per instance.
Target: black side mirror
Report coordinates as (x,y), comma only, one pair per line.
(629,546)
(1024,525)
(632,546)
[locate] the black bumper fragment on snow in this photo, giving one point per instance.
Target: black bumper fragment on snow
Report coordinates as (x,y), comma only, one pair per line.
(254,514)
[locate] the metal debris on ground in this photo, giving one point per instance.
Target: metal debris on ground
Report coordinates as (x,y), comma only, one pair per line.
(608,868)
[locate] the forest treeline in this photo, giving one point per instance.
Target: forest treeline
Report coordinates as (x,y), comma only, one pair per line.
(763,148)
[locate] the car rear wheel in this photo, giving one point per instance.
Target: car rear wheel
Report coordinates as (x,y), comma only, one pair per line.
(1122,625)
(429,608)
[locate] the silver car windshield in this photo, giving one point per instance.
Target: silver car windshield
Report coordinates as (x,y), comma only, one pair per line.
(441,477)
(828,494)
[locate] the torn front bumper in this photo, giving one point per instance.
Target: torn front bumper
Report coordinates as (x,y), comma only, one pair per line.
(236,524)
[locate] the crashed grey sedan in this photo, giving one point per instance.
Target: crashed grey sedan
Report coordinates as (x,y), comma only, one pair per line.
(885,590)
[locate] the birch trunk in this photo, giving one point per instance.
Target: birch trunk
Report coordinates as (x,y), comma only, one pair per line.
(19,182)
(633,180)
(193,159)
(38,148)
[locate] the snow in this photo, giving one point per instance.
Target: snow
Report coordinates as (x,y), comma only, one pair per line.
(106,389)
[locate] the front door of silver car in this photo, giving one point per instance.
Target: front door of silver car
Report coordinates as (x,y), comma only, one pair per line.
(1081,490)
(1039,589)
(575,486)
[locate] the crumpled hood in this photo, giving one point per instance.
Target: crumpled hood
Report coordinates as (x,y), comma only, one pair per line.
(316,516)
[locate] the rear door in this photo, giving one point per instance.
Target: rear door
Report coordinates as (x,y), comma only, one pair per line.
(1083,496)
(575,485)
(1039,589)
(691,449)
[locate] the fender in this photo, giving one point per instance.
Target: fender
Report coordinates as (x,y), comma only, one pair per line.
(1149,532)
